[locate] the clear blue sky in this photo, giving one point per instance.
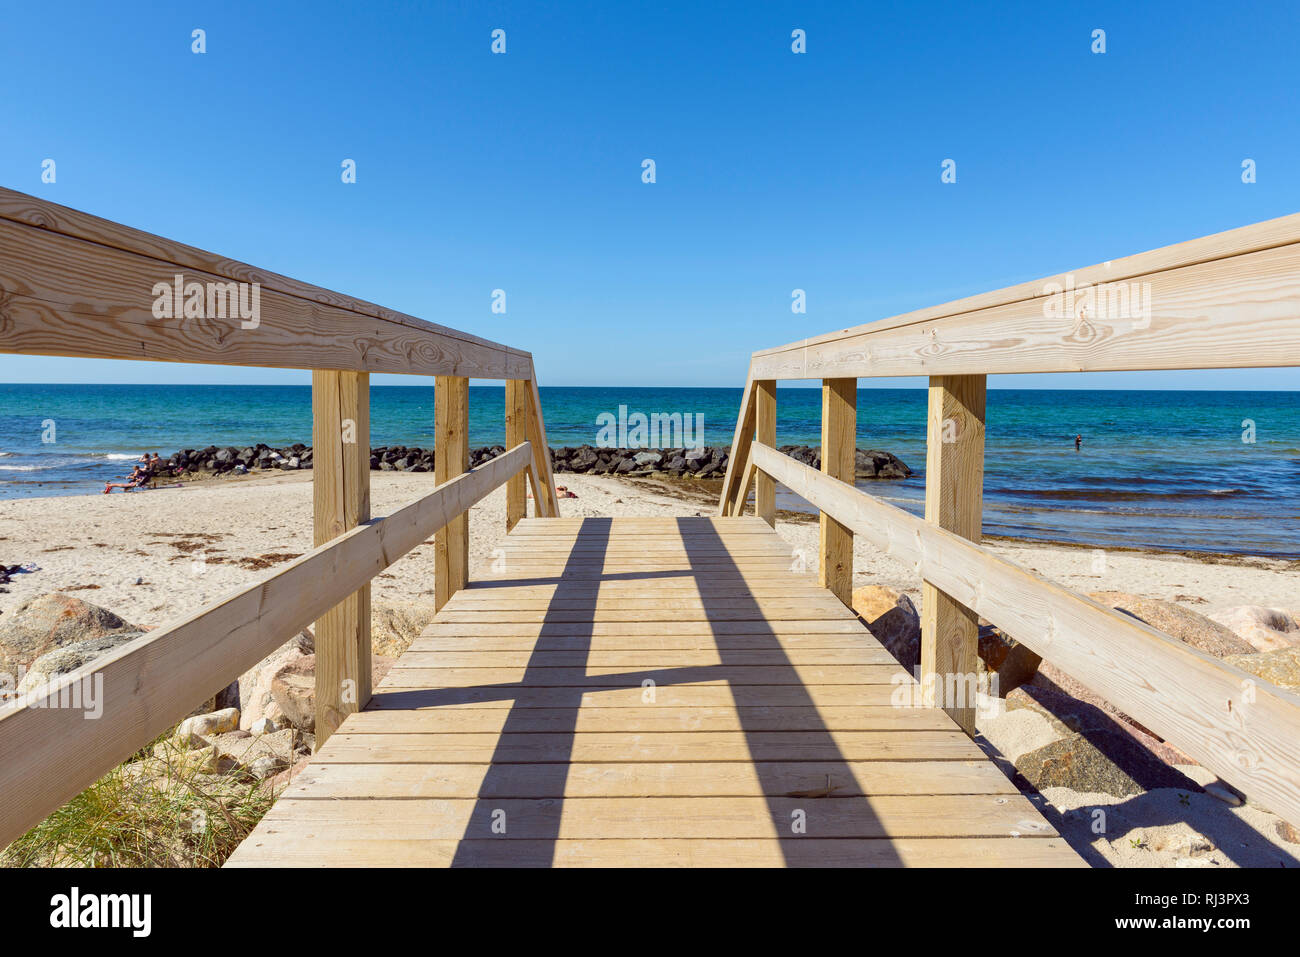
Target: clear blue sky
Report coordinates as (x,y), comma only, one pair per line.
(775,171)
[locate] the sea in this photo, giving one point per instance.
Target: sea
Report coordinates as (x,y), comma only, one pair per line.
(1194,471)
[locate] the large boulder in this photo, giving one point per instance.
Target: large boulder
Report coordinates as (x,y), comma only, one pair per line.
(53,621)
(1177,622)
(893,620)
(252,693)
(1266,629)
(69,658)
(1002,655)
(1105,762)
(1281,667)
(393,626)
(294,690)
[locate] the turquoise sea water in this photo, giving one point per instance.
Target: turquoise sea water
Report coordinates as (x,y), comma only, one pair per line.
(1158,469)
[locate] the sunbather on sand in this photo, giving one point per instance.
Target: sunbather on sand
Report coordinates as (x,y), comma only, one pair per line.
(137,479)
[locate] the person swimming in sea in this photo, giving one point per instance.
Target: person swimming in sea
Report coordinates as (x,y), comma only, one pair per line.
(1078,442)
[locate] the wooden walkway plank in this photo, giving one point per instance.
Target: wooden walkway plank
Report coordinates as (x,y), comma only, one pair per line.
(649,692)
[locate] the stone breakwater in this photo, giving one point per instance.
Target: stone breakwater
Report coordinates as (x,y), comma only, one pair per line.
(708,461)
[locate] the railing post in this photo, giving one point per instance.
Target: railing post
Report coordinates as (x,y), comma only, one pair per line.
(341,496)
(954,500)
(839,448)
(765,413)
(450,458)
(545,498)
(516,432)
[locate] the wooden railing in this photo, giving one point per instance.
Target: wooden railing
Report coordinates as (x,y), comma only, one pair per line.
(75,285)
(1225,301)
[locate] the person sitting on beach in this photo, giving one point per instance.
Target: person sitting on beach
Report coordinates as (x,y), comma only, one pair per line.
(137,479)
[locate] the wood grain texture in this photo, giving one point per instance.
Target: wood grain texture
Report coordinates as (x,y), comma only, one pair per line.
(341,502)
(543,477)
(954,500)
(765,432)
(516,432)
(1240,727)
(740,443)
(550,730)
(394,343)
(450,459)
(50,754)
(1222,301)
(839,451)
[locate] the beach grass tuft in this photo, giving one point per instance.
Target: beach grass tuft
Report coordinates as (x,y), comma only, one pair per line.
(158,809)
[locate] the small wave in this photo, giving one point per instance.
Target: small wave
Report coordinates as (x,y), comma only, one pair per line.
(24,468)
(118,456)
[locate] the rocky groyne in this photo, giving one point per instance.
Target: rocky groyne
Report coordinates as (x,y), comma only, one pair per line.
(709,461)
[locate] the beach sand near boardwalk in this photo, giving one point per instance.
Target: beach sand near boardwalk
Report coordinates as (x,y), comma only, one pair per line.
(154,556)
(192,545)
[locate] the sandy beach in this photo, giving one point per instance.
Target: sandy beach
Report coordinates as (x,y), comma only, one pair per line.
(154,556)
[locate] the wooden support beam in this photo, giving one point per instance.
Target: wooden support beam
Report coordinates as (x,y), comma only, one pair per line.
(450,459)
(765,417)
(740,443)
(49,752)
(516,432)
(341,495)
(954,500)
(839,447)
(545,498)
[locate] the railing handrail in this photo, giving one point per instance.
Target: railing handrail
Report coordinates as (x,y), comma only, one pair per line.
(1226,301)
(1241,727)
(50,754)
(1215,302)
(27,210)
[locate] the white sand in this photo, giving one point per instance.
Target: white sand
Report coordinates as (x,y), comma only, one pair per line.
(159,537)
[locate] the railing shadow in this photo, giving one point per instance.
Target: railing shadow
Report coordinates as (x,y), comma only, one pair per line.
(528,781)
(798,849)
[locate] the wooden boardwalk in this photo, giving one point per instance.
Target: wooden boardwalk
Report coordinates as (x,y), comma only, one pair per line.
(648,692)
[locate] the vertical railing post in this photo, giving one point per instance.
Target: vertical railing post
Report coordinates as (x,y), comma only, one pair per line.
(341,500)
(839,448)
(450,458)
(545,499)
(954,500)
(516,432)
(765,417)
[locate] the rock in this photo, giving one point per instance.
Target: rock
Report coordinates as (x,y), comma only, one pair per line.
(1224,792)
(53,621)
(395,625)
(1177,622)
(1107,762)
(647,459)
(697,455)
(255,700)
(204,726)
(263,726)
(294,690)
(1287,832)
(245,748)
(1059,697)
(892,618)
(266,766)
(71,657)
(1266,629)
(1281,668)
(1008,659)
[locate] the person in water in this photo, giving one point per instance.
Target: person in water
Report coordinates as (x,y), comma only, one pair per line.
(1078,442)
